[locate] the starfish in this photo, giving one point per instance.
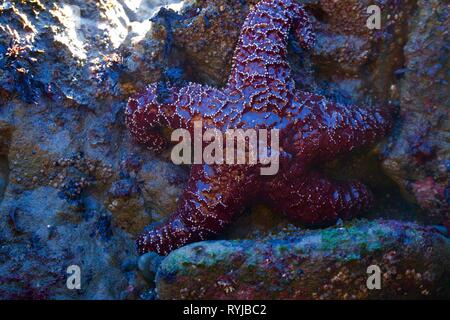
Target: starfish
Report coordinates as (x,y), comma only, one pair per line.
(260,93)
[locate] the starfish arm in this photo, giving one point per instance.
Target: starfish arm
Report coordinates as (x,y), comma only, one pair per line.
(174,108)
(213,196)
(326,129)
(313,199)
(259,61)
(302,27)
(200,102)
(260,94)
(150,137)
(146,114)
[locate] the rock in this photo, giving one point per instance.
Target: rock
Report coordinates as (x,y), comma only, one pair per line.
(418,156)
(354,59)
(41,242)
(70,180)
(148,265)
(161,185)
(346,59)
(206,36)
(4,170)
(319,264)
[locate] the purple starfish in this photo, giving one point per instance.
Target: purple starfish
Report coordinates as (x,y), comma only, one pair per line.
(260,94)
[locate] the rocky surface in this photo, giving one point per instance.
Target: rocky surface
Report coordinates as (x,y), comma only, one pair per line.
(419,156)
(319,264)
(74,189)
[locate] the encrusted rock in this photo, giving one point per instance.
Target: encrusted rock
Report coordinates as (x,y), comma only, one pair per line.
(418,157)
(319,264)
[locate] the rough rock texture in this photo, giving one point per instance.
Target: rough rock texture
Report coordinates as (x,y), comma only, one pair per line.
(324,264)
(419,156)
(74,189)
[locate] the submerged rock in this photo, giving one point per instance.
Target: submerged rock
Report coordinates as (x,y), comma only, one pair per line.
(318,264)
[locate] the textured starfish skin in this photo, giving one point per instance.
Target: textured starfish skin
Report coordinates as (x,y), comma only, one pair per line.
(260,94)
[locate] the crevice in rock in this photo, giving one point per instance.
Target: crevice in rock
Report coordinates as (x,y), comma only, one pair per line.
(391,70)
(5,138)
(364,166)
(317,12)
